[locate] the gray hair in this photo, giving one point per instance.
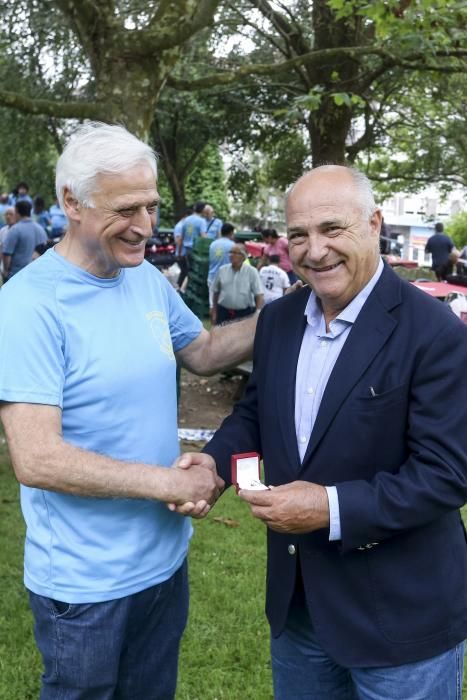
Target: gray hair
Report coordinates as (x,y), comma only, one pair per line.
(96,148)
(361,182)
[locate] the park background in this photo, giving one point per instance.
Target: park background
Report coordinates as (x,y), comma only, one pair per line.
(238,99)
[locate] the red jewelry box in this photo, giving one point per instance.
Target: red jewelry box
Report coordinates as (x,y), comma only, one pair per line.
(246,471)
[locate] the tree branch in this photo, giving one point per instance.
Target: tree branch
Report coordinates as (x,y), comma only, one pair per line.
(63,110)
(316,58)
(292,35)
(176,26)
(457,179)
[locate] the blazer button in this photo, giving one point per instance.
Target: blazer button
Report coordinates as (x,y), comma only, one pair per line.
(291,549)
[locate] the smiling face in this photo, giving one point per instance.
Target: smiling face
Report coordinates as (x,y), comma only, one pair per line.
(333,244)
(113,233)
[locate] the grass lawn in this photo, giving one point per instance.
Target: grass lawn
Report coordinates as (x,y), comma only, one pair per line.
(225,649)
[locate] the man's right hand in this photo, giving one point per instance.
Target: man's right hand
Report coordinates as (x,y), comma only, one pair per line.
(191,463)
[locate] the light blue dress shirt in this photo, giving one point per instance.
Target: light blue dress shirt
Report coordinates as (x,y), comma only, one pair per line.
(318,355)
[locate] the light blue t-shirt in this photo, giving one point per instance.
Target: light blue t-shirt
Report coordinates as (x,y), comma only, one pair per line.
(213,228)
(103,350)
(58,220)
(21,241)
(219,255)
(193,227)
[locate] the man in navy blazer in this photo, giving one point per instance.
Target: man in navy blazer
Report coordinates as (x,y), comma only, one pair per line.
(357,405)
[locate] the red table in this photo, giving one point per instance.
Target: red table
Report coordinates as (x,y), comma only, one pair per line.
(394,261)
(254,248)
(440,289)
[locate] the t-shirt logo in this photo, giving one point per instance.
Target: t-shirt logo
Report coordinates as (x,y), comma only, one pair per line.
(160,330)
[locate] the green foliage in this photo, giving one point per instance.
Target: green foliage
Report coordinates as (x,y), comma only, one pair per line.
(206,181)
(27,153)
(456,228)
(286,159)
(419,137)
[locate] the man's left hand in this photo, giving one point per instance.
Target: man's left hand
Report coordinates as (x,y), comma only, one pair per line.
(297,507)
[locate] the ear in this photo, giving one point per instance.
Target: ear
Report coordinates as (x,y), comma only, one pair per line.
(71,205)
(375,222)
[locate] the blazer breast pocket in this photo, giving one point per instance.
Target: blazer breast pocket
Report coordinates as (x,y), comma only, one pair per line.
(375,401)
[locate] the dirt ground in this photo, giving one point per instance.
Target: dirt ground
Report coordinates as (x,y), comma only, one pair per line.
(205,401)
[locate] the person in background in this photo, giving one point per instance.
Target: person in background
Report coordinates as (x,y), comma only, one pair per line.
(40,214)
(356,404)
(213,224)
(461,266)
(179,248)
(274,280)
(23,240)
(237,289)
(3,207)
(9,221)
(277,245)
(440,246)
(193,227)
(219,255)
(58,220)
(90,336)
(20,193)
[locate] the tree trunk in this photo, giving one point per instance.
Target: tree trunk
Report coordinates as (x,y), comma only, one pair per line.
(329,125)
(131,90)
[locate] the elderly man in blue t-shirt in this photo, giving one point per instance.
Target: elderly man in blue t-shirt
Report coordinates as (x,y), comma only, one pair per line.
(90,336)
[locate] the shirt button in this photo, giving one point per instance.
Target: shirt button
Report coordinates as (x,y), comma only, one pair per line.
(302,439)
(291,549)
(310,390)
(322,344)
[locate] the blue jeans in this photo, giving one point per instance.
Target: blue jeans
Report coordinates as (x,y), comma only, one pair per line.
(303,671)
(124,649)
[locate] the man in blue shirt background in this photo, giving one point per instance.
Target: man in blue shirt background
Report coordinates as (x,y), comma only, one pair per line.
(219,255)
(193,227)
(23,239)
(213,224)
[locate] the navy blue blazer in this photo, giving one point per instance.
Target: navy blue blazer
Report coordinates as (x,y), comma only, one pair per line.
(393,589)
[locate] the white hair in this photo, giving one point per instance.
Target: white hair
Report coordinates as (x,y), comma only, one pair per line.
(98,149)
(361,182)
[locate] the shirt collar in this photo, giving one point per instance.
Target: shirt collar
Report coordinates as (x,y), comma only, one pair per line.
(314,313)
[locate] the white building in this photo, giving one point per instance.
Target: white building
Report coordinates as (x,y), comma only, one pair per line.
(412,217)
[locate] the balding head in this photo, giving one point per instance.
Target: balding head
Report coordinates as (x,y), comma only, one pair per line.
(340,176)
(208,212)
(333,228)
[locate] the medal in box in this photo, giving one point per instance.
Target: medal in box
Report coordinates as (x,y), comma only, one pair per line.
(246,472)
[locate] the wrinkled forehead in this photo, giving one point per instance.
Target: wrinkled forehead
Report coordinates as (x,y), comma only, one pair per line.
(133,184)
(323,188)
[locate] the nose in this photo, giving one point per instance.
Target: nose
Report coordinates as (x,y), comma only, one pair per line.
(316,248)
(142,222)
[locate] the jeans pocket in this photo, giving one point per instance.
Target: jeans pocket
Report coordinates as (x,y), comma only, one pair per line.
(60,608)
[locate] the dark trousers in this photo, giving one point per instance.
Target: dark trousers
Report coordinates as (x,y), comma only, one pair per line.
(442,271)
(224,314)
(184,262)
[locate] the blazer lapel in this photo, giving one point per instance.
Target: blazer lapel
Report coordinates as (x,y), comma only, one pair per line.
(292,330)
(370,332)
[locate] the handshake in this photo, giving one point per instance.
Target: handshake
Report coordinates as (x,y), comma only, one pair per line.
(195,484)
